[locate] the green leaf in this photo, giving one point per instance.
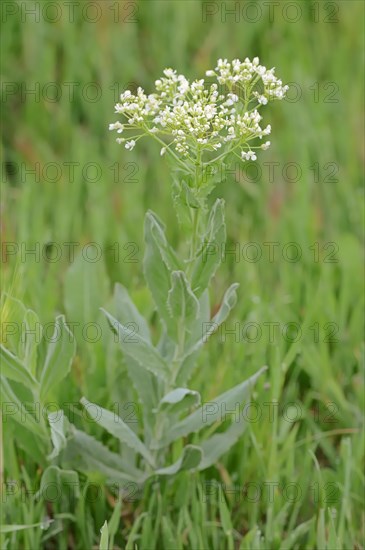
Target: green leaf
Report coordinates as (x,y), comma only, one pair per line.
(114,521)
(139,349)
(86,289)
(59,425)
(299,532)
(60,353)
(13,528)
(118,428)
(210,412)
(104,538)
(159,260)
(11,400)
(210,254)
(333,540)
(228,302)
(179,400)
(205,330)
(32,337)
(225,515)
(182,303)
(12,313)
(91,456)
(14,369)
(189,460)
(217,445)
(146,385)
(144,382)
(67,481)
(126,312)
(203,318)
(169,538)
(180,201)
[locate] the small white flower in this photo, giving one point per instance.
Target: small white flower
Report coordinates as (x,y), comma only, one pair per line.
(170,73)
(163,151)
(125,94)
(248,155)
(210,73)
(265,145)
(116,126)
(130,144)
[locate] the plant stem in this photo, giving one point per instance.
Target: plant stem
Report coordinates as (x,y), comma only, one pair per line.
(196,211)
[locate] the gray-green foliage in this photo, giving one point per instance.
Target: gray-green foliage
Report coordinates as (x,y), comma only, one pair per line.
(171,411)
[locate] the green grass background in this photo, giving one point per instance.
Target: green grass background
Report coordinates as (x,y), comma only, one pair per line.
(321,133)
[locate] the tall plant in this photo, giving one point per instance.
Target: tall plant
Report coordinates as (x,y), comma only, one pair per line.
(202,126)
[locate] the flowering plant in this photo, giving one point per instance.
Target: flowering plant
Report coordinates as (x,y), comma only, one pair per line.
(199,125)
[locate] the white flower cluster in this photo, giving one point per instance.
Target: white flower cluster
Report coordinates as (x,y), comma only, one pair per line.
(196,117)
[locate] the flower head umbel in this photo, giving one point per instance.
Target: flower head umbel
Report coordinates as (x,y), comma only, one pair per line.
(189,119)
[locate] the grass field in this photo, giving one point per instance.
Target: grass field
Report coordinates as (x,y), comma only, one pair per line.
(295,479)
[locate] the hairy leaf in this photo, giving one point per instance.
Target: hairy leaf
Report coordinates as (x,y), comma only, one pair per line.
(159,260)
(189,460)
(126,312)
(60,353)
(182,303)
(210,412)
(210,254)
(179,400)
(139,349)
(118,428)
(14,369)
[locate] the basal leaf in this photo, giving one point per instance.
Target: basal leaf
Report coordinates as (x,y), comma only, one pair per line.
(118,428)
(12,407)
(91,456)
(60,353)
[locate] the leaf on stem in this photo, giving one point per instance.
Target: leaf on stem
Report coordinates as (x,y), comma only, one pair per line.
(211,250)
(189,460)
(210,412)
(138,349)
(113,424)
(158,263)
